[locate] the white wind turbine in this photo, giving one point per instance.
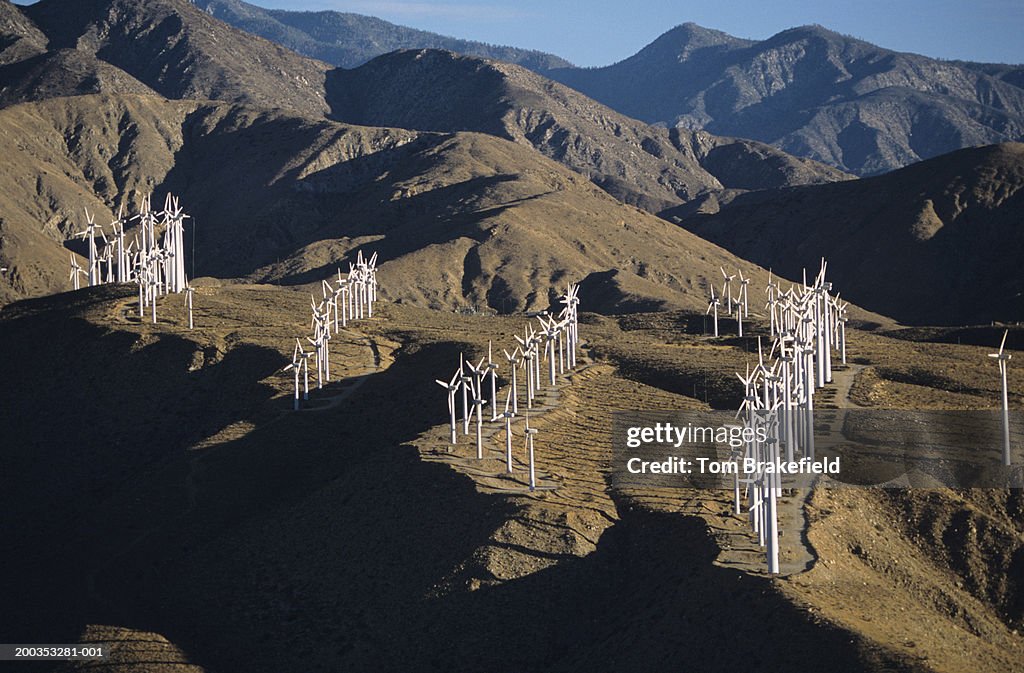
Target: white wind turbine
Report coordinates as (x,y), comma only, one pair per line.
(305,355)
(452,387)
(508,416)
(744,282)
(570,312)
(343,298)
(465,380)
(478,409)
(713,307)
(549,333)
(513,363)
(296,367)
(1003,358)
(727,289)
(772,290)
(76,270)
(492,371)
(90,233)
(530,432)
(189,290)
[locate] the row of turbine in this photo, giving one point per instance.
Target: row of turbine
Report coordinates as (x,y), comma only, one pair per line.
(778,401)
(739,304)
(351,299)
(559,337)
(157,265)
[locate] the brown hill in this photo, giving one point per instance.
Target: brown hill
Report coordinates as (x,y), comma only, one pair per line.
(459,219)
(29,70)
(181,510)
(650,167)
(182,52)
(19,37)
(937,242)
(171,47)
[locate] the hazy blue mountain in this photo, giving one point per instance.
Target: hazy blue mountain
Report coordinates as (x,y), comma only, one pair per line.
(349,40)
(814,93)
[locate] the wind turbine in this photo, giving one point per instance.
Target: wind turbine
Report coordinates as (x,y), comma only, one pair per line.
(508,416)
(90,233)
(842,330)
(713,307)
(1003,358)
(295,366)
(492,370)
(478,408)
(743,292)
(548,332)
(465,380)
(189,290)
(530,432)
(526,346)
(452,387)
(513,363)
(727,289)
(75,271)
(305,368)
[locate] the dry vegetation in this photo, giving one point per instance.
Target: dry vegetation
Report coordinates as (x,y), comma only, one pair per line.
(179,496)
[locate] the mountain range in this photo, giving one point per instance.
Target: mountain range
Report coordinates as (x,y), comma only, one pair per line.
(459,219)
(443,161)
(814,93)
(349,40)
(809,91)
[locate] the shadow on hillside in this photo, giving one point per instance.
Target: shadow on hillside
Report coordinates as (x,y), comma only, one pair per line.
(88,413)
(263,211)
(404,232)
(321,541)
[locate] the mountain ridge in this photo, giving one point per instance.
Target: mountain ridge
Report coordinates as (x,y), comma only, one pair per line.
(811,92)
(177,50)
(348,40)
(646,166)
(938,242)
(458,219)
(181,52)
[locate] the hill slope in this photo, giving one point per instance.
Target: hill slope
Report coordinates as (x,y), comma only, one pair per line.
(349,40)
(457,218)
(180,51)
(650,167)
(813,93)
(937,242)
(171,47)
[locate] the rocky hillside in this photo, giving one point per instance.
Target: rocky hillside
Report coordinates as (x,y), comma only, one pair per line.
(173,48)
(180,51)
(813,93)
(461,219)
(650,167)
(349,40)
(938,242)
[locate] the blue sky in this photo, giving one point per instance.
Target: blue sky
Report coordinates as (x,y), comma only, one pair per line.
(599,32)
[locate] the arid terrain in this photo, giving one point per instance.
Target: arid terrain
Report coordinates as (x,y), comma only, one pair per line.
(160,494)
(180,505)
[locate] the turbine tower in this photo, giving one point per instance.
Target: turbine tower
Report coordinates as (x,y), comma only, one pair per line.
(1003,358)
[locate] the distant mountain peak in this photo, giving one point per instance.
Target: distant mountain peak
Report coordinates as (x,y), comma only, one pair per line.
(687,38)
(349,40)
(813,92)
